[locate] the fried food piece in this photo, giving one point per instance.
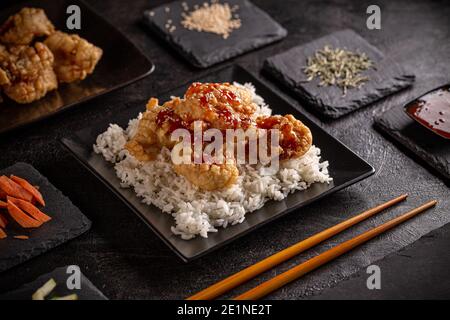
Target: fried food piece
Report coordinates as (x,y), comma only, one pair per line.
(209,176)
(144,144)
(221,105)
(295,137)
(26,73)
(24,26)
(75,58)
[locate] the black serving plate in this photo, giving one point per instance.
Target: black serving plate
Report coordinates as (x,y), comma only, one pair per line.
(87,290)
(203,49)
(121,64)
(345,167)
(67,222)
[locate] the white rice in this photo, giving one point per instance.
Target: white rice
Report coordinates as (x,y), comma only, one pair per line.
(197,212)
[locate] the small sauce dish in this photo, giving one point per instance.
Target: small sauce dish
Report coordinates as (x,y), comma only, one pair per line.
(432,110)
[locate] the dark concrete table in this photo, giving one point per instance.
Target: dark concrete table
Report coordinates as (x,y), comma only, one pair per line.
(123,259)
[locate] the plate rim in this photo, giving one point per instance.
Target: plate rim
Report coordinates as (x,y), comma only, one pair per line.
(66,107)
(71,139)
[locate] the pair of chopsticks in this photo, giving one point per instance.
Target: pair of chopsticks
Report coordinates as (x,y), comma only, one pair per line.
(311,264)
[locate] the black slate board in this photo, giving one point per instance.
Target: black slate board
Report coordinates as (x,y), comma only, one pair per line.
(67,222)
(204,49)
(87,290)
(428,146)
(389,76)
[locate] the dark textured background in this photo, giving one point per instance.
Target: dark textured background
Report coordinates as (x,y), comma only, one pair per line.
(122,258)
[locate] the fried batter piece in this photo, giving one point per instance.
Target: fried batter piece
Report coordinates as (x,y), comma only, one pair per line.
(219,106)
(24,26)
(75,58)
(209,176)
(26,72)
(295,137)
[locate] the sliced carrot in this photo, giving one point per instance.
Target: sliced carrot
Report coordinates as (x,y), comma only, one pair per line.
(30,209)
(13,189)
(2,234)
(21,217)
(3,204)
(31,189)
(22,237)
(2,194)
(3,221)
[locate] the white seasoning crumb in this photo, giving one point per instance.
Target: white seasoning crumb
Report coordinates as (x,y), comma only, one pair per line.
(172,29)
(151,13)
(167,9)
(215,18)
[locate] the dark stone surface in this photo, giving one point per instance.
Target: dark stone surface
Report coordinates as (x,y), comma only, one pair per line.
(87,290)
(432,149)
(405,274)
(126,261)
(204,49)
(67,222)
(388,77)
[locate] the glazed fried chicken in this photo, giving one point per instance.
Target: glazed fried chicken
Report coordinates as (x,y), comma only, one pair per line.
(220,106)
(24,26)
(209,177)
(26,73)
(75,58)
(295,138)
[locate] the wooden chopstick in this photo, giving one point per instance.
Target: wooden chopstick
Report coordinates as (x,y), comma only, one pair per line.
(296,272)
(250,272)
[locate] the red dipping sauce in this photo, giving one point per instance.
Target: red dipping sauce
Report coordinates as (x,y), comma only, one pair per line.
(432,110)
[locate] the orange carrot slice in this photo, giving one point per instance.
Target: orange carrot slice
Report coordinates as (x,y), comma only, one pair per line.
(13,189)
(2,194)
(22,237)
(31,189)
(3,221)
(30,209)
(2,234)
(21,217)
(3,204)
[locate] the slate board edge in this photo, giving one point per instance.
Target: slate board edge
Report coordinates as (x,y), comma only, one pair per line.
(423,156)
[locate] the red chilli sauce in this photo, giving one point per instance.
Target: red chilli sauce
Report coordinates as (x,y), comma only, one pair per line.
(433,111)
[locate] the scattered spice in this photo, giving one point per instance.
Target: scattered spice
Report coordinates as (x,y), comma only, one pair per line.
(212,17)
(338,67)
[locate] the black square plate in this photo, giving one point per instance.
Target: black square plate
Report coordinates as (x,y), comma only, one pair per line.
(389,76)
(121,64)
(431,148)
(87,291)
(203,49)
(345,167)
(67,222)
